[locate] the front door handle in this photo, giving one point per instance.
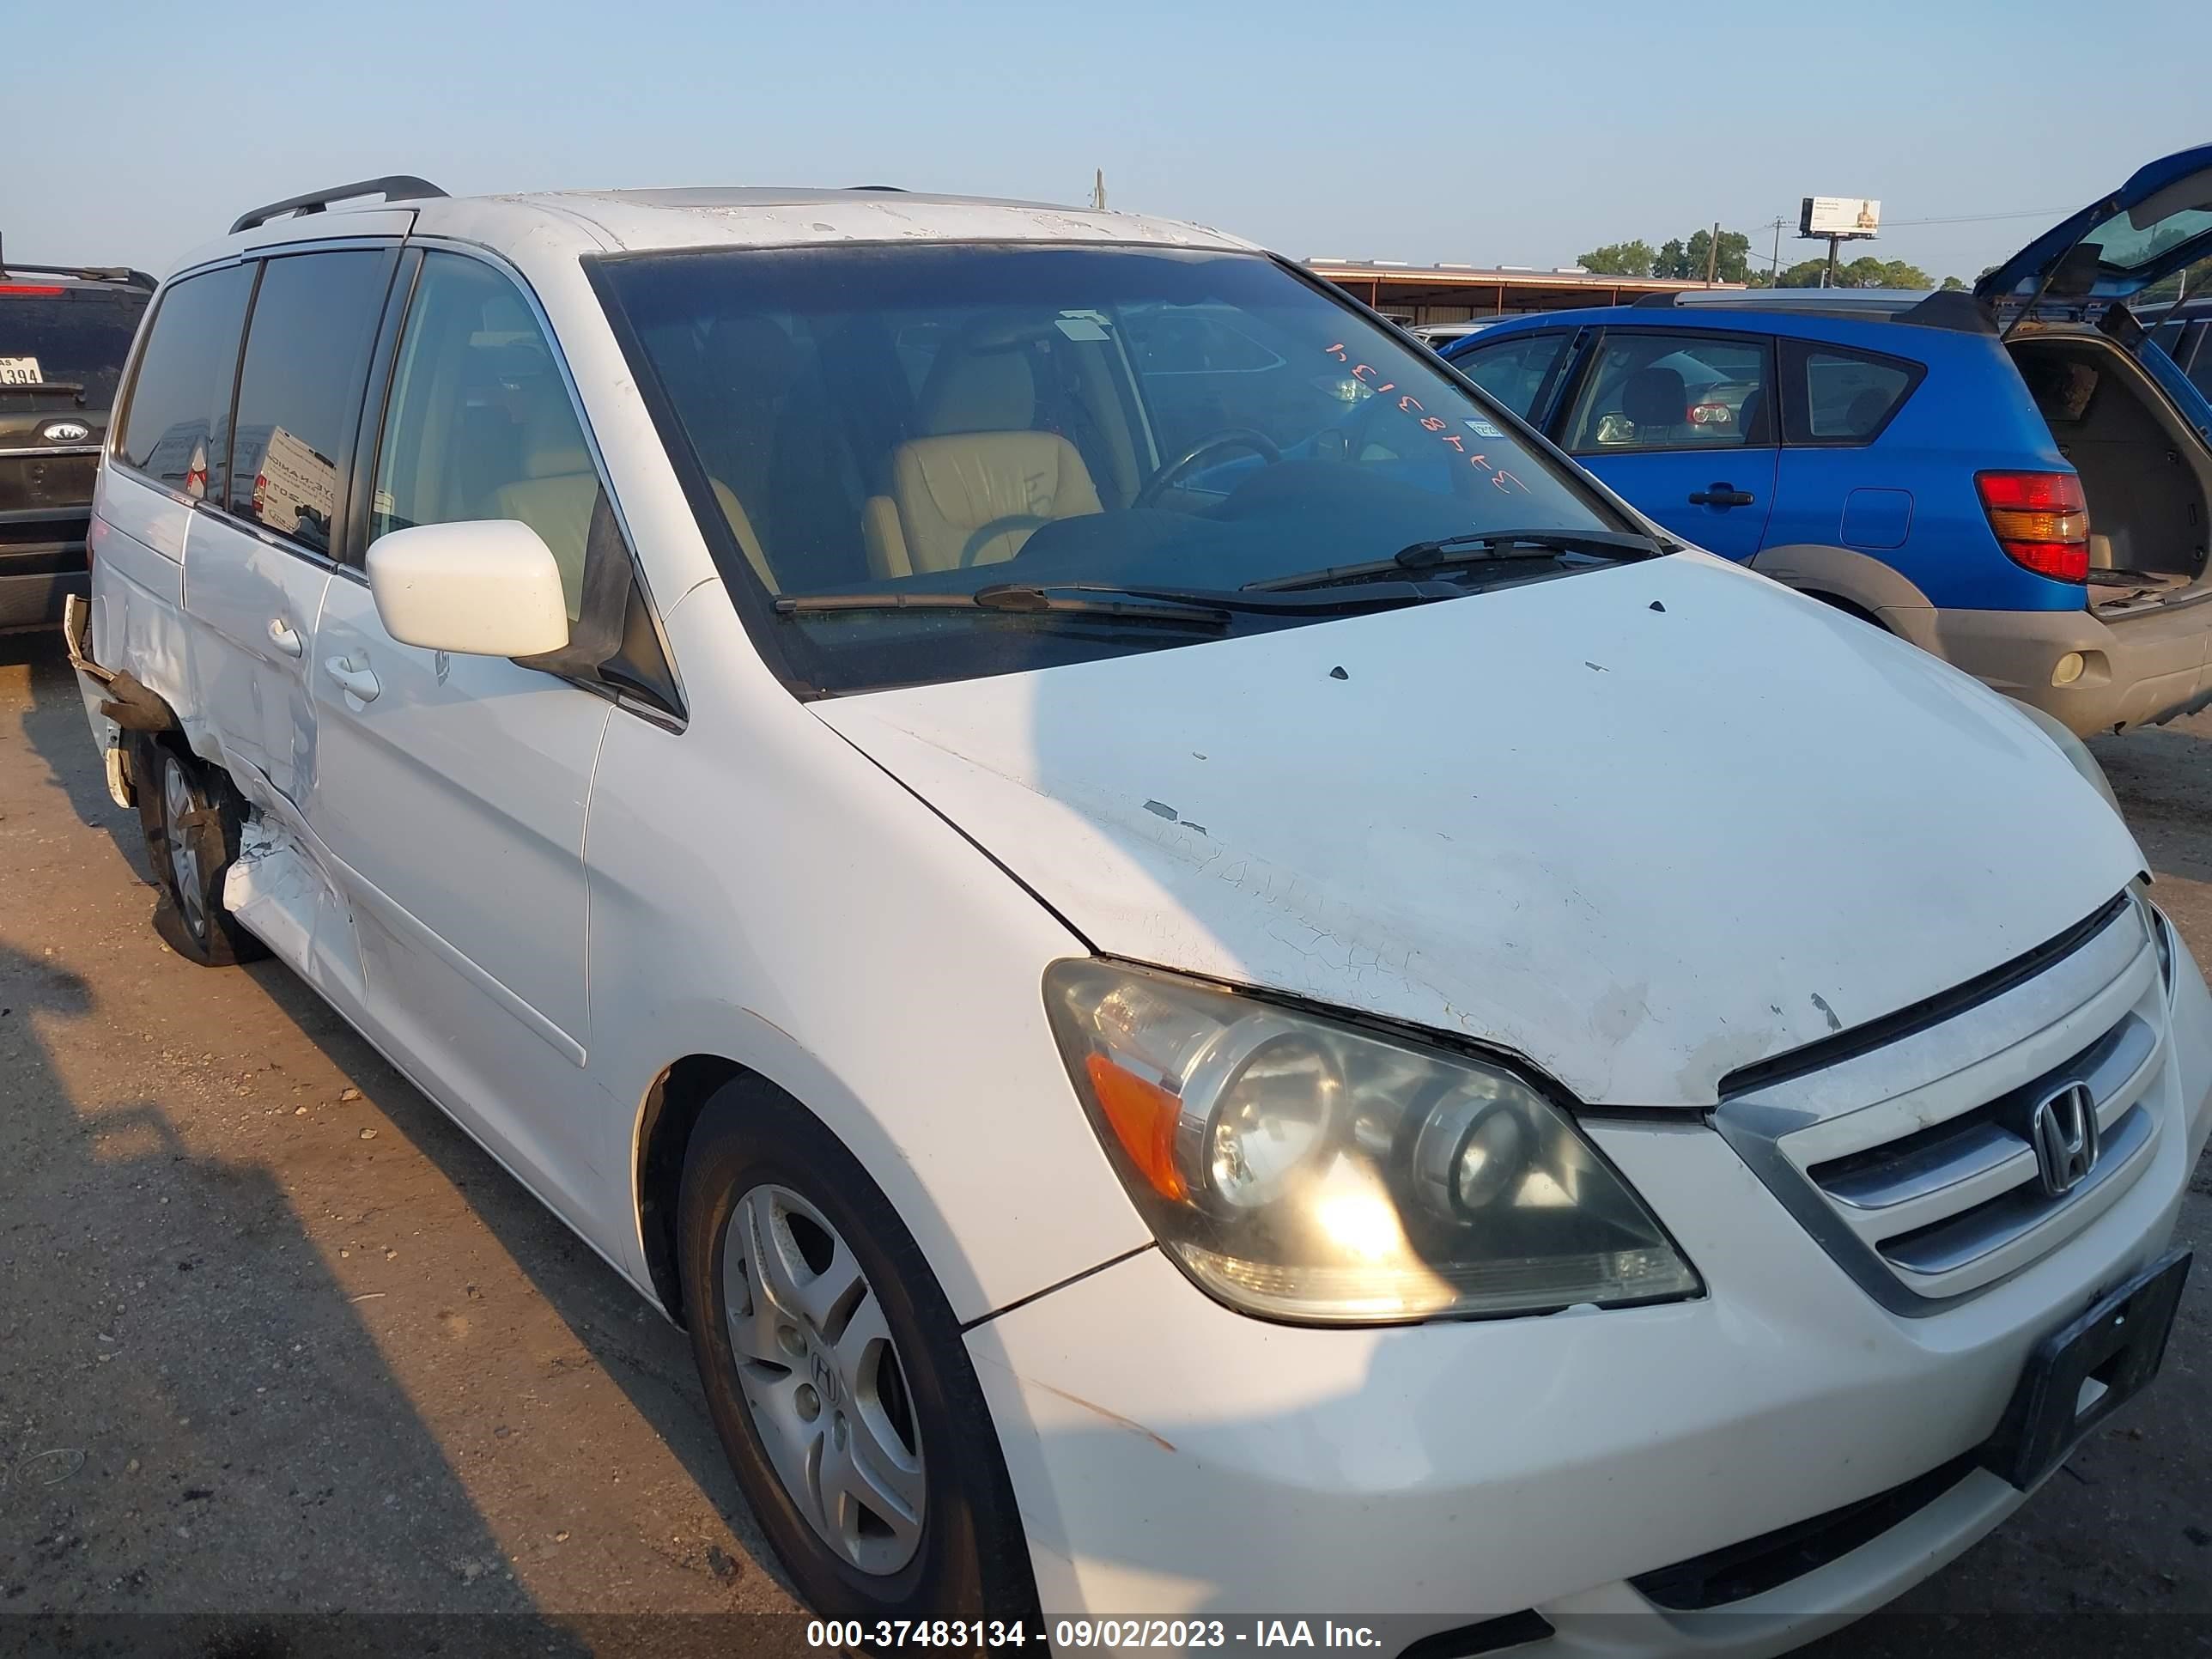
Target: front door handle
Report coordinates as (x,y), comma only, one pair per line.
(1722,495)
(360,681)
(285,637)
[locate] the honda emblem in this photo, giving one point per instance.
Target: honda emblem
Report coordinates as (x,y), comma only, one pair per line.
(2064,1126)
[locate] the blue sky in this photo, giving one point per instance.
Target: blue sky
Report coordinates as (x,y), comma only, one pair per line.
(1392,131)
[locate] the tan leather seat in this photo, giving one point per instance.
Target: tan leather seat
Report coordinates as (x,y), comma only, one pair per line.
(556,496)
(978,485)
(559,491)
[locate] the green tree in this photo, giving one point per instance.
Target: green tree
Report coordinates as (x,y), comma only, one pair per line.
(1620,260)
(1687,261)
(1865,272)
(1681,258)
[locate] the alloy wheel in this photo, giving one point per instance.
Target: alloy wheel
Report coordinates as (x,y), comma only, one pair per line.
(822,1379)
(177,805)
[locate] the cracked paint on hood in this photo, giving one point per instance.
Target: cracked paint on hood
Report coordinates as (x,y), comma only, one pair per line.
(1641,826)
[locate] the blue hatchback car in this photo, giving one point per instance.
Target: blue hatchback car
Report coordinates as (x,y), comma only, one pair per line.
(2014,478)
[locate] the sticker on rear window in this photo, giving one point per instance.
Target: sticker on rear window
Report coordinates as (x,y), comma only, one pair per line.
(21,371)
(1483,429)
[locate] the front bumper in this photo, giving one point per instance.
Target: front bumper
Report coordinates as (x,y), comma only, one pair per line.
(1173,1458)
(2138,670)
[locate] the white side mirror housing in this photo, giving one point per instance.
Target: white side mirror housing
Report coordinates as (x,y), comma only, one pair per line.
(488,587)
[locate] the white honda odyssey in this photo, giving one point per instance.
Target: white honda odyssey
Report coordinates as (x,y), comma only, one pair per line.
(1214,985)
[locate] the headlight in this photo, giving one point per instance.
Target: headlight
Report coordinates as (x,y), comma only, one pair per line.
(1303,1169)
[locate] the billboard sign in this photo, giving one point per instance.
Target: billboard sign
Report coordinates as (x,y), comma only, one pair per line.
(1838,216)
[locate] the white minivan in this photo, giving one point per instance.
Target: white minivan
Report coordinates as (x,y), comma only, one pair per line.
(1214,985)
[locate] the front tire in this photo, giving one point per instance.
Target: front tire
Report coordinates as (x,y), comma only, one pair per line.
(190,817)
(836,1378)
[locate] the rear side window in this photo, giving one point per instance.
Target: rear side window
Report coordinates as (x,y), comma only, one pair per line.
(179,415)
(1656,391)
(1513,371)
(68,344)
(1849,396)
(300,389)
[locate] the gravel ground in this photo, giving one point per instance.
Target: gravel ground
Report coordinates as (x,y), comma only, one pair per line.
(277,1338)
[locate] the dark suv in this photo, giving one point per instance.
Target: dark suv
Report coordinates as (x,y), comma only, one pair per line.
(2184,330)
(64,333)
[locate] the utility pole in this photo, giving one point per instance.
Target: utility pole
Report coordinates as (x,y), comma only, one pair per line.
(1713,253)
(1098,190)
(1775,280)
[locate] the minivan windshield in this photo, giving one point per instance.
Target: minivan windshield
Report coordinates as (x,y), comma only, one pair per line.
(939,462)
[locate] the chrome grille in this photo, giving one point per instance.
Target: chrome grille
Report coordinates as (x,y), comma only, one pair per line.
(1913,1162)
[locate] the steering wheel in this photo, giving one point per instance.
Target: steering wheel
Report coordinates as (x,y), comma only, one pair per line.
(1240,437)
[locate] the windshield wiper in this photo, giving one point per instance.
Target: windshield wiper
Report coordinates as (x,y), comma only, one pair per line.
(1194,606)
(1477,547)
(1006,597)
(1489,544)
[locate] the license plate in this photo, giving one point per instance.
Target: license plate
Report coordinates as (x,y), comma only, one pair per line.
(21,371)
(2078,1375)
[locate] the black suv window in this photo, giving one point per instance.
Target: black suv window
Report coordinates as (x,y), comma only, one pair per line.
(299,388)
(63,347)
(176,423)
(2199,363)
(1513,371)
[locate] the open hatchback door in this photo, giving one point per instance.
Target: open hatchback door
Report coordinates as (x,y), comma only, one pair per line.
(2151,227)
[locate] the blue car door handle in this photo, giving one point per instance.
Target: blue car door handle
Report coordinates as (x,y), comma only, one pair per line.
(1722,495)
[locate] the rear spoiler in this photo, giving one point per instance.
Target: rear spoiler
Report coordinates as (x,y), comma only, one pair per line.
(1954,308)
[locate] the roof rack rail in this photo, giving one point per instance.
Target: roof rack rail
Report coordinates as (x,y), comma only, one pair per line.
(394,187)
(896,190)
(1665,298)
(122,273)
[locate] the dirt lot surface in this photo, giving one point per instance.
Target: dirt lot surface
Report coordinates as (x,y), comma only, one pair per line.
(276,1338)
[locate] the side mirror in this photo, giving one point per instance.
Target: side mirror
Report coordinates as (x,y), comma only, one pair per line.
(489,587)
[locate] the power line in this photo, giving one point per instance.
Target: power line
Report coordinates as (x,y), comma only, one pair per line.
(1978,218)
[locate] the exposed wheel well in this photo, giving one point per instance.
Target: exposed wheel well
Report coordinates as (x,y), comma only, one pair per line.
(1849,606)
(672,1106)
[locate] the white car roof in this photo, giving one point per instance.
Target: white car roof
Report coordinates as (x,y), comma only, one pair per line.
(593,221)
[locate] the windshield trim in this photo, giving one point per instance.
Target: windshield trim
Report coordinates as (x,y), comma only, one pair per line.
(779,637)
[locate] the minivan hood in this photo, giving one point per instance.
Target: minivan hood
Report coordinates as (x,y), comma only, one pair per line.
(2152,226)
(1641,826)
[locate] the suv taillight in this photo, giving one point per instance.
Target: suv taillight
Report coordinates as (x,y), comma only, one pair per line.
(2041,519)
